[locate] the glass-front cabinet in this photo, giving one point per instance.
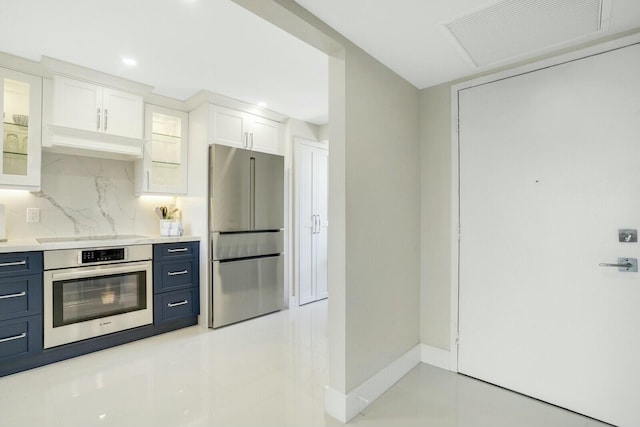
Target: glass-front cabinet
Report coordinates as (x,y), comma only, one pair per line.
(20,96)
(163,169)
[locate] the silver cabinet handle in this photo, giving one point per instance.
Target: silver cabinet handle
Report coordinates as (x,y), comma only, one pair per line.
(251,146)
(316,224)
(313,227)
(177,273)
(10,264)
(17,337)
(176,304)
(106,118)
(177,250)
(147,180)
(21,294)
(98,121)
(246,140)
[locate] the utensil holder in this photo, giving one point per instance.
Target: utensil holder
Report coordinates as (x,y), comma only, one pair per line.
(165,227)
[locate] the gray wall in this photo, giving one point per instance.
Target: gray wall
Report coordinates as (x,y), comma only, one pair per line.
(435,158)
(382,216)
(374,187)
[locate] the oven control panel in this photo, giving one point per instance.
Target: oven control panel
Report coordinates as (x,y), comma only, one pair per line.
(92,256)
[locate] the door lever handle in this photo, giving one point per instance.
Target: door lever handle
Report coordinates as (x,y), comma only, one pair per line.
(623,264)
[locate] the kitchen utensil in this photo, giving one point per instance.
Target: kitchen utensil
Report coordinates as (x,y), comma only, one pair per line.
(21,119)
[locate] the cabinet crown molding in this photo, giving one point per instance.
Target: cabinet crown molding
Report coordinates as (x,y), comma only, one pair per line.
(53,67)
(208,97)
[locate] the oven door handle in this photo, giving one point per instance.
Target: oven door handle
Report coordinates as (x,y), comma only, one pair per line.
(132,267)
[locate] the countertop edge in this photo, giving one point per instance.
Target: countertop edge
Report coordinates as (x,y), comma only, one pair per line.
(30,245)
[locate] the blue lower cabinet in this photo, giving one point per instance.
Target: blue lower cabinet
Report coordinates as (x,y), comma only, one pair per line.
(173,275)
(20,337)
(170,306)
(176,304)
(20,296)
(176,282)
(19,263)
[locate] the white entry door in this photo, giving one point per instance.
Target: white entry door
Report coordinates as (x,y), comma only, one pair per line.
(549,171)
(311,185)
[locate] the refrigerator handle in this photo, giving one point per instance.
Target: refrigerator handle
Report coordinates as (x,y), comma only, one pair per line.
(252,193)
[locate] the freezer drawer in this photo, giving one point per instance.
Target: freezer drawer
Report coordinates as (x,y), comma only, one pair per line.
(246,288)
(226,246)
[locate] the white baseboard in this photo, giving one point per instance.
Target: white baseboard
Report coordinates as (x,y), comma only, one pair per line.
(435,356)
(345,407)
(293,302)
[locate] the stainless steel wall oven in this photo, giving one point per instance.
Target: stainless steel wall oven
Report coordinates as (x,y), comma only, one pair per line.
(96,291)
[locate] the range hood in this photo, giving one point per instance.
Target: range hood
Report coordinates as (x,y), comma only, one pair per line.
(79,142)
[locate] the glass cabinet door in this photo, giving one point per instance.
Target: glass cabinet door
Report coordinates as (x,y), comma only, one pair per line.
(165,154)
(20,98)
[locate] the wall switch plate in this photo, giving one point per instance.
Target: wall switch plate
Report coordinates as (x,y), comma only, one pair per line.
(33,215)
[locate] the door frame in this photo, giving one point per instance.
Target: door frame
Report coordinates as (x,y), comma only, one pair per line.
(297,141)
(455,162)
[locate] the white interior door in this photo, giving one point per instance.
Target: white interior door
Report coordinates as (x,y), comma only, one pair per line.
(305,267)
(320,207)
(549,171)
(312,223)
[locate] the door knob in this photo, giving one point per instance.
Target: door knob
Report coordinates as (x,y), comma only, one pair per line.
(624,264)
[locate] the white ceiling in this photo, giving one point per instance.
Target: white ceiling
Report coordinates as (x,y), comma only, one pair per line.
(183,46)
(407,35)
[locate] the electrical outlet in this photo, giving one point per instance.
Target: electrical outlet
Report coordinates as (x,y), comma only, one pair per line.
(33,215)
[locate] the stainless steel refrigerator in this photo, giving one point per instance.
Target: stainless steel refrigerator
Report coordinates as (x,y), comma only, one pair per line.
(246,225)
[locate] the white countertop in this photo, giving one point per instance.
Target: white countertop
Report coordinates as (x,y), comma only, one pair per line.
(33,245)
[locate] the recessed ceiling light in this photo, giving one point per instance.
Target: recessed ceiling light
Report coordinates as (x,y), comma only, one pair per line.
(129,61)
(262,104)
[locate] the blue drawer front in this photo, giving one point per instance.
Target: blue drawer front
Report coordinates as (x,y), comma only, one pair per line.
(19,263)
(174,305)
(174,250)
(20,296)
(20,337)
(169,276)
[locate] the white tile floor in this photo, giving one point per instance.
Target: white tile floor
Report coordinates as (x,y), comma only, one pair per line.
(269,371)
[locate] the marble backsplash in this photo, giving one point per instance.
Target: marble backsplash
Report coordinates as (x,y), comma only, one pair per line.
(82,196)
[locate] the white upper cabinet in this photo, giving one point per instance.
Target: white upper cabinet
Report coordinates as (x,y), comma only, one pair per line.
(229,127)
(122,113)
(264,135)
(245,130)
(163,168)
(21,100)
(87,106)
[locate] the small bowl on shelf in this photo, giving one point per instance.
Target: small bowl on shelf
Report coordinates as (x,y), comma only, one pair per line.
(21,119)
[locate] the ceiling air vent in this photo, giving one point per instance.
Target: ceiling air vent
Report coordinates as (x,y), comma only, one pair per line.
(515,28)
